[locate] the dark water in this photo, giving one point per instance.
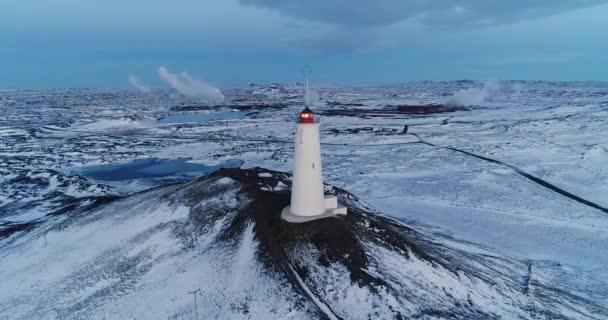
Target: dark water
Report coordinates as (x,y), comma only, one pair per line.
(153,168)
(202,117)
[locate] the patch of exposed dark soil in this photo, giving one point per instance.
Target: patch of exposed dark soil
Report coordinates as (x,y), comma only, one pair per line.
(377,131)
(259,106)
(344,104)
(338,239)
(392,110)
(427,109)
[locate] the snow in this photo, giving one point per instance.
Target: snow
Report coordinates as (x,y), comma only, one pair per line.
(551,130)
(80,270)
(245,254)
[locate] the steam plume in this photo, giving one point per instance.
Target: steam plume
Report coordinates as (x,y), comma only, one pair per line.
(472,96)
(138,84)
(188,86)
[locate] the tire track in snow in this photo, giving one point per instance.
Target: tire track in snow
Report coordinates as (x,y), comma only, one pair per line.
(537,180)
(524,174)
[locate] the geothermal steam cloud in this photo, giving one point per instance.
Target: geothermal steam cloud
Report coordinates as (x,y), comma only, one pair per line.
(472,96)
(138,85)
(188,86)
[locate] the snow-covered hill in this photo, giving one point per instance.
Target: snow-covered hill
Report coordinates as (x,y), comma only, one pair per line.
(138,257)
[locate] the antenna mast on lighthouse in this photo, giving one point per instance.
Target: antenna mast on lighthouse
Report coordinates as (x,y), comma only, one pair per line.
(307,71)
(308,201)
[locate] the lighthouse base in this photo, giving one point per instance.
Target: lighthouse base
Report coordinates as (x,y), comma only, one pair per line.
(332,209)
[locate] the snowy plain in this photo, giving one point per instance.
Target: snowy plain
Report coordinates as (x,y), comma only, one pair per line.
(456,175)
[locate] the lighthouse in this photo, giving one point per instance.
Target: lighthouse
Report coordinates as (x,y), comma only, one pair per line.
(308,201)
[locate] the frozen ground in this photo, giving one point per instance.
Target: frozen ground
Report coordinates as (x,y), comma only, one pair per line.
(523,173)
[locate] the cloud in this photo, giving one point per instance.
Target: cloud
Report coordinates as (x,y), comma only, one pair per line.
(191,87)
(436,13)
(337,40)
(138,85)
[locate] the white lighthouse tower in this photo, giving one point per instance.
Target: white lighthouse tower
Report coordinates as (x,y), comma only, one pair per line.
(307,199)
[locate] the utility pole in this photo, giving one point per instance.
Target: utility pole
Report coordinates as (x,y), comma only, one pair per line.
(195,305)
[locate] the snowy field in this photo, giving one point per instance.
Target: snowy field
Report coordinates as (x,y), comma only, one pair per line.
(519,169)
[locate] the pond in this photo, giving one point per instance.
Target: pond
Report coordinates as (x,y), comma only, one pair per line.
(140,174)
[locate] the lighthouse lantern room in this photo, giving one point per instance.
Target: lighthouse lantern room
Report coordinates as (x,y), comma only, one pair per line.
(308,201)
(306,116)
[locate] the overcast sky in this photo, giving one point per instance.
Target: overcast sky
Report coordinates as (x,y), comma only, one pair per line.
(87,43)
